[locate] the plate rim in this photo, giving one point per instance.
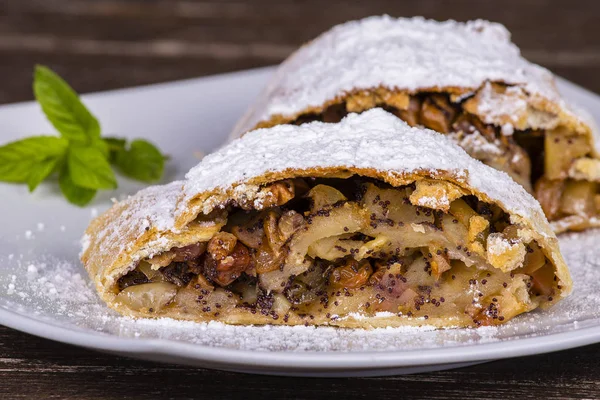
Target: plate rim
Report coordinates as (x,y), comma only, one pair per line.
(291,360)
(313,360)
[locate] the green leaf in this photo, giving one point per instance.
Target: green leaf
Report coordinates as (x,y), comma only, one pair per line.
(41,171)
(88,168)
(17,159)
(101,145)
(75,194)
(115,145)
(142,161)
(62,106)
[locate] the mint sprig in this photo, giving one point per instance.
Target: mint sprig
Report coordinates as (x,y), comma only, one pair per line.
(80,157)
(140,160)
(63,108)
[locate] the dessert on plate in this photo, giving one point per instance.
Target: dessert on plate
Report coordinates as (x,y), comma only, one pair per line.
(465,80)
(363,223)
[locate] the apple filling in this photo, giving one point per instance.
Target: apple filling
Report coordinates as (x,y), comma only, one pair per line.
(331,249)
(553,164)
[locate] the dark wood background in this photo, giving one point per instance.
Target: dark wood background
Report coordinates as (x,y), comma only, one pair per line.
(106,44)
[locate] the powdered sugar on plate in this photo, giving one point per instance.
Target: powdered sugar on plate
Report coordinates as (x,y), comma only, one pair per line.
(58,291)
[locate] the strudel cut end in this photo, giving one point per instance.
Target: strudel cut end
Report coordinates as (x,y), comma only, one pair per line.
(465,80)
(364,223)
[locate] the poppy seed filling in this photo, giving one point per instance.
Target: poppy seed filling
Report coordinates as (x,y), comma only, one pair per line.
(323,249)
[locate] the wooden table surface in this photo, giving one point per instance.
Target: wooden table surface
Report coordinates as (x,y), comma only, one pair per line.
(106,44)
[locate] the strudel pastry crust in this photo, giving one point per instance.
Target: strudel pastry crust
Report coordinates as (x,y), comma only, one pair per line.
(466,80)
(363,223)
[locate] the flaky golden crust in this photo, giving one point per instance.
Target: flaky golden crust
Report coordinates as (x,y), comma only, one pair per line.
(107,263)
(381,96)
(497,84)
(115,241)
(163,217)
(557,117)
(408,56)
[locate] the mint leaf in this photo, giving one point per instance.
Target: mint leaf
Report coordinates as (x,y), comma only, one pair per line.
(63,108)
(41,171)
(115,145)
(101,145)
(141,161)
(18,158)
(88,168)
(75,194)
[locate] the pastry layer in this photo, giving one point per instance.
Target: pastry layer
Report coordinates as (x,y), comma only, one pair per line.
(466,80)
(279,222)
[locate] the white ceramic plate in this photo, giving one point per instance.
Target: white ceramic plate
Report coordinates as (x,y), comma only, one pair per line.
(45,291)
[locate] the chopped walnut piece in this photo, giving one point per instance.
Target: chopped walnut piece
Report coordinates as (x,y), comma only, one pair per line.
(226,259)
(221,245)
(272,195)
(228,269)
(277,194)
(435,194)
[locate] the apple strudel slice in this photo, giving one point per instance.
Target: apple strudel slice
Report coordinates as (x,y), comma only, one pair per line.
(466,80)
(363,223)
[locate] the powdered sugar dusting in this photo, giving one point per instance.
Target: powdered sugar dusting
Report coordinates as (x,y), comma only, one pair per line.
(433,202)
(497,244)
(476,144)
(59,291)
(152,207)
(374,139)
(494,107)
(405,53)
